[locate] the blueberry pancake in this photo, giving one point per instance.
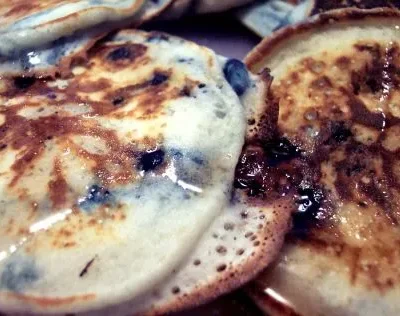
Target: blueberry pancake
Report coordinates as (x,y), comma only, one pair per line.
(116,183)
(337,85)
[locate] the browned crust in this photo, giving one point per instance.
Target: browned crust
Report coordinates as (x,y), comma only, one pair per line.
(273,42)
(234,277)
(318,6)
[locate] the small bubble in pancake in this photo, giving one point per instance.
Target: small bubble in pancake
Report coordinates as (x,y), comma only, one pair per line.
(237,75)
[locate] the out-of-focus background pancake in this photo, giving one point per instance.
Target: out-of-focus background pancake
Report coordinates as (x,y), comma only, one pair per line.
(336,80)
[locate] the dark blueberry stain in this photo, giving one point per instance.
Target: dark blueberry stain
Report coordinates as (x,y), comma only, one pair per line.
(158,78)
(237,75)
(98,195)
(151,160)
(24,82)
(118,100)
(309,208)
(280,149)
(25,60)
(18,274)
(185,60)
(249,171)
(59,48)
(198,160)
(158,37)
(119,53)
(52,96)
(339,132)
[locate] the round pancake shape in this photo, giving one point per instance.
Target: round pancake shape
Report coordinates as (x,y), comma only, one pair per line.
(336,84)
(110,177)
(53,54)
(236,246)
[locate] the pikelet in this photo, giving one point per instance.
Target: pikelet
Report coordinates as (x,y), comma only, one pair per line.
(336,84)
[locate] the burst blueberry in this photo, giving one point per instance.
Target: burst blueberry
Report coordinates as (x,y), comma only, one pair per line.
(119,53)
(151,160)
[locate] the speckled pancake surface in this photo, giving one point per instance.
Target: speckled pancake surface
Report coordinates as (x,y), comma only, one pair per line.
(336,80)
(110,177)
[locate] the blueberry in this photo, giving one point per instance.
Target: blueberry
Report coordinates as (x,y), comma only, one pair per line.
(118,100)
(237,75)
(119,53)
(98,195)
(151,160)
(24,82)
(158,78)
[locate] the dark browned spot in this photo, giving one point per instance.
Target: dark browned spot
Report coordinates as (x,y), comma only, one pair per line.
(58,187)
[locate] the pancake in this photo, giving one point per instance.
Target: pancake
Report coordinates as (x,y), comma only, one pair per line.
(119,177)
(43,38)
(337,85)
(320,6)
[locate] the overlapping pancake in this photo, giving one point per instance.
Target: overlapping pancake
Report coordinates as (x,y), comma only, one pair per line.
(319,6)
(43,37)
(116,183)
(337,83)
